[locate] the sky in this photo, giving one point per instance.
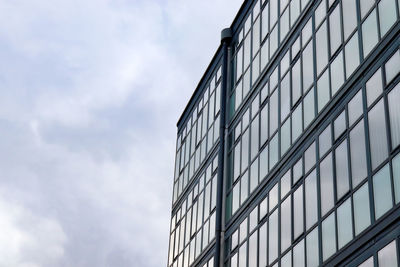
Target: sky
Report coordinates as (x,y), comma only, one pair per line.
(90,93)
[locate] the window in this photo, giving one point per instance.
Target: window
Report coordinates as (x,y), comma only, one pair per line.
(358,154)
(388,256)
(273,151)
(285,183)
(285,97)
(309,109)
(392,67)
(377,133)
(382,192)
(365,6)
(370,33)
(323,90)
(355,108)
(296,82)
(325,141)
(351,54)
(349,17)
(254,137)
(264,163)
(244,187)
(339,125)
(374,87)
(245,150)
(387,15)
(337,73)
(298,212)
(297,123)
(264,124)
(335,31)
(286,260)
(298,255)
(362,218)
(273,236)
(273,120)
(254,175)
(321,48)
(262,260)
(326,183)
(286,226)
(312,248)
(311,199)
(345,225)
(285,137)
(396,177)
(308,66)
(328,237)
(253,250)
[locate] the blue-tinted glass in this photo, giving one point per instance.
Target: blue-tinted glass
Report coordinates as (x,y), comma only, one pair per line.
(285,183)
(245,150)
(264,124)
(296,82)
(254,137)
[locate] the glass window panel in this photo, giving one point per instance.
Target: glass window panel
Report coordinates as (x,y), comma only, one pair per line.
(273,11)
(297,122)
(345,224)
(262,260)
(312,248)
(320,13)
(273,237)
(328,236)
(365,6)
(285,62)
(265,20)
(235,198)
(244,187)
(358,154)
(362,218)
(284,24)
(273,197)
(246,83)
(387,256)
(325,141)
(377,133)
(352,56)
(285,136)
(326,181)
(255,69)
(296,82)
(298,224)
(355,108)
(286,260)
(306,31)
(323,90)
(273,151)
(309,158)
(342,169)
(370,33)
(253,250)
(374,87)
(308,66)
(392,67)
(239,63)
(273,120)
(273,39)
(297,170)
(243,255)
(264,54)
(247,51)
(256,36)
(286,225)
(368,263)
(294,11)
(254,175)
(254,137)
(396,177)
(311,199)
(243,231)
(321,48)
(387,15)
(394,114)
(263,207)
(382,191)
(337,73)
(234,239)
(263,163)
(285,97)
(339,125)
(335,29)
(264,124)
(349,17)
(298,255)
(245,150)
(234,262)
(285,183)
(309,108)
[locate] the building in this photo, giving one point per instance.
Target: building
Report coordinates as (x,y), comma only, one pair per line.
(288,151)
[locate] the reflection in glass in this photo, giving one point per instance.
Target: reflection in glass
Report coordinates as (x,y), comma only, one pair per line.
(308,66)
(263,163)
(285,136)
(362,218)
(298,224)
(377,133)
(355,108)
(326,183)
(351,53)
(297,170)
(392,67)
(387,15)
(358,154)
(244,187)
(325,140)
(309,109)
(337,73)
(370,33)
(297,122)
(286,226)
(339,125)
(382,191)
(374,87)
(342,169)
(349,17)
(335,29)
(298,254)
(285,183)
(273,151)
(345,225)
(321,48)
(273,237)
(328,236)
(323,90)
(254,175)
(365,6)
(245,149)
(312,248)
(387,257)
(296,82)
(309,158)
(311,199)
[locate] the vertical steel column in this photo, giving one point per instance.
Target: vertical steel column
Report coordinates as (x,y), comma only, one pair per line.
(226,37)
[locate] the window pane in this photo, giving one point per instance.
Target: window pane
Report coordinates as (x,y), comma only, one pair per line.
(308,66)
(262,245)
(298,254)
(273,151)
(374,87)
(273,236)
(387,256)
(377,133)
(244,187)
(325,141)
(285,97)
(365,6)
(235,198)
(245,150)
(323,90)
(396,177)
(387,15)
(370,33)
(342,169)
(253,250)
(392,67)
(286,260)
(339,125)
(382,192)
(273,120)
(352,55)
(345,225)
(256,36)
(285,183)
(358,154)
(355,108)
(349,17)
(285,136)
(264,124)
(335,29)
(309,108)
(273,197)
(321,48)
(243,255)
(286,226)
(297,123)
(337,73)
(297,170)
(309,158)
(326,180)
(254,175)
(265,20)
(368,263)
(311,199)
(312,248)
(263,163)
(296,82)
(362,218)
(246,48)
(254,137)
(298,212)
(328,237)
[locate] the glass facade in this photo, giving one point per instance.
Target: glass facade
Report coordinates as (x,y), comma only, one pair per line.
(311,141)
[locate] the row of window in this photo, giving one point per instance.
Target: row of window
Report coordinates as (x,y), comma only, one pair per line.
(294,93)
(199,135)
(323,200)
(259,39)
(193,224)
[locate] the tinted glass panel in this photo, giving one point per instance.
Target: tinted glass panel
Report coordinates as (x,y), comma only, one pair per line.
(387,15)
(345,225)
(326,180)
(286,226)
(328,237)
(312,248)
(311,199)
(377,133)
(382,192)
(349,17)
(358,154)
(387,256)
(352,55)
(370,33)
(342,169)
(298,212)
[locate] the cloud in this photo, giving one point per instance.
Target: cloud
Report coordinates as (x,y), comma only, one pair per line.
(91,92)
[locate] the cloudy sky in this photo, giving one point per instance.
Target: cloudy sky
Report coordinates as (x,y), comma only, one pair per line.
(90,93)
